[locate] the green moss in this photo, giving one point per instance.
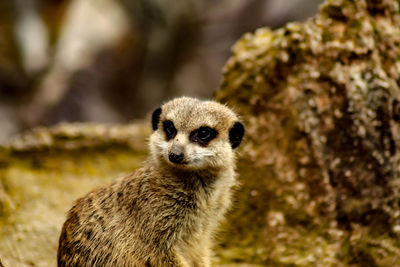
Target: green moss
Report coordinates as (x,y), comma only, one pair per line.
(41,187)
(42,172)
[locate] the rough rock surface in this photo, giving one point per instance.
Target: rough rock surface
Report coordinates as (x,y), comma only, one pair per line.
(321,164)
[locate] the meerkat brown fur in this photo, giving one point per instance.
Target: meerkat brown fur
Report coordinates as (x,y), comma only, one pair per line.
(166,212)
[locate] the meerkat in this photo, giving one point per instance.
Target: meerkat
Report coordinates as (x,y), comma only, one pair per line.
(167,211)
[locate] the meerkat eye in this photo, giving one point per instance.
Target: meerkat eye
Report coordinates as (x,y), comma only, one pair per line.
(203,135)
(169,129)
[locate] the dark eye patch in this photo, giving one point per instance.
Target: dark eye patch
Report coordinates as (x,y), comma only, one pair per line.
(169,129)
(203,135)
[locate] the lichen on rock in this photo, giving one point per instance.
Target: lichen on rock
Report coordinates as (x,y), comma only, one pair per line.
(321,104)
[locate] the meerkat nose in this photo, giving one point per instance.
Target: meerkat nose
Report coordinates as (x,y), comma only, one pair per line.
(175,158)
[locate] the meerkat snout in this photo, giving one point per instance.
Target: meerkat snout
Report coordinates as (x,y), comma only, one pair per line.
(176,154)
(165,214)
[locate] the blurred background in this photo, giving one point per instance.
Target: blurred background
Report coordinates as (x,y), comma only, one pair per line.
(116,60)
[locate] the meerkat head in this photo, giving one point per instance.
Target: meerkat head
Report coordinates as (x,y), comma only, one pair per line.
(194,135)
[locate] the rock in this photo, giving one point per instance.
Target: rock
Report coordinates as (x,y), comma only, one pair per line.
(43,171)
(320,167)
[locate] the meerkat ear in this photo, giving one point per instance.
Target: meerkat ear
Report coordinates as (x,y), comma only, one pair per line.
(155,118)
(236,134)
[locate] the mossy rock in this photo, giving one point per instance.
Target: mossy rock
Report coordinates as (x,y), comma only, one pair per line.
(44,171)
(320,167)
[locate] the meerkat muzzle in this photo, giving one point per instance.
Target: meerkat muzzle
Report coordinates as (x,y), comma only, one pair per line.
(176,158)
